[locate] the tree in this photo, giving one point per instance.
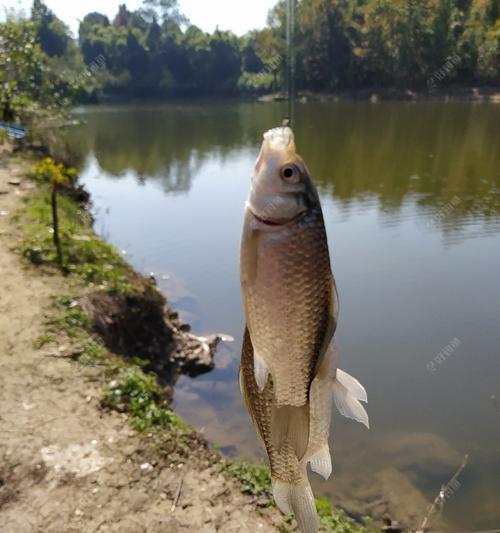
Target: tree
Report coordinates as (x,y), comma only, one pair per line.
(166,10)
(52,33)
(479,45)
(413,37)
(270,49)
(136,58)
(35,89)
(250,60)
(492,12)
(442,38)
(326,43)
(153,38)
(377,49)
(94,36)
(123,16)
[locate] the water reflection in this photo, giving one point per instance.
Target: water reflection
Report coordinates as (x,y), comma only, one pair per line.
(435,153)
(168,143)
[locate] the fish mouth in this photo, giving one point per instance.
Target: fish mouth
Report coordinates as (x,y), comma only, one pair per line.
(277,223)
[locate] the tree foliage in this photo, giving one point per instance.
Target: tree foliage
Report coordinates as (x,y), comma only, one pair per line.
(29,78)
(366,43)
(154,52)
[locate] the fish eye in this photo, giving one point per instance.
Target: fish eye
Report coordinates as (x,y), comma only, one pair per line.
(290,173)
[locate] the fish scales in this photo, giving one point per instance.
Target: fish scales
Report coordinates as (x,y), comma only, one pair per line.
(282,457)
(288,303)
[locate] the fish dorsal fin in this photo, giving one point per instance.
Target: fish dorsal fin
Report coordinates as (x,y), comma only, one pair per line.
(327,359)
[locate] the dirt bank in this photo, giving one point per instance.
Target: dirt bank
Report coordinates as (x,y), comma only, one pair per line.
(67,464)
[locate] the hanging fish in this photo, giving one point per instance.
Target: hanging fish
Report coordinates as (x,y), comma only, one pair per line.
(288,372)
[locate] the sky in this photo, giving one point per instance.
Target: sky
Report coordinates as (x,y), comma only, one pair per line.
(239,17)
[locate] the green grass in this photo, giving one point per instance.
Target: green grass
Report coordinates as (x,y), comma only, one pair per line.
(254,479)
(336,521)
(43,340)
(68,318)
(85,255)
(140,395)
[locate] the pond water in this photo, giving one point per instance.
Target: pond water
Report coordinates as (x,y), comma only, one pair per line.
(411,196)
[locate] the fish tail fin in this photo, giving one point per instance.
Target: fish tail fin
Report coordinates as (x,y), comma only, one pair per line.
(299,500)
(289,436)
(348,393)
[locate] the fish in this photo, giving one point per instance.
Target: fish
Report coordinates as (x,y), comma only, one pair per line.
(288,372)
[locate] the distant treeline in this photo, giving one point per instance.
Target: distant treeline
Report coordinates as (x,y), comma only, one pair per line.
(154,52)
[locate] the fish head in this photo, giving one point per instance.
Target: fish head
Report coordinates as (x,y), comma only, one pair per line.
(282,190)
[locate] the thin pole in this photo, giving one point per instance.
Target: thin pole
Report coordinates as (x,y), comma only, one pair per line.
(440,497)
(290,35)
(55,224)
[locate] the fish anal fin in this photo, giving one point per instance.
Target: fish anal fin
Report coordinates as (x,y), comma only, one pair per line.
(321,462)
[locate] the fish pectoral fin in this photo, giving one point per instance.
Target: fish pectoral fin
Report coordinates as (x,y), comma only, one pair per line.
(261,371)
(348,393)
(321,462)
(299,500)
(242,389)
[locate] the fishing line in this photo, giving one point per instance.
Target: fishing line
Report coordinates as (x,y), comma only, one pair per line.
(290,63)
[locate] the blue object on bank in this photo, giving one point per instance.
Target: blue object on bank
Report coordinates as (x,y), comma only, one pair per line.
(14,132)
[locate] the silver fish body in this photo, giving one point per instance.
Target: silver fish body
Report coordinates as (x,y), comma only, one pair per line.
(288,371)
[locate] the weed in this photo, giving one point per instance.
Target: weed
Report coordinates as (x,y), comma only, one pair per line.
(47,169)
(140,395)
(254,479)
(68,318)
(335,520)
(92,351)
(70,321)
(44,339)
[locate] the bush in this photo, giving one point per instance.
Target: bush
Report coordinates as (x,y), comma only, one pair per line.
(47,170)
